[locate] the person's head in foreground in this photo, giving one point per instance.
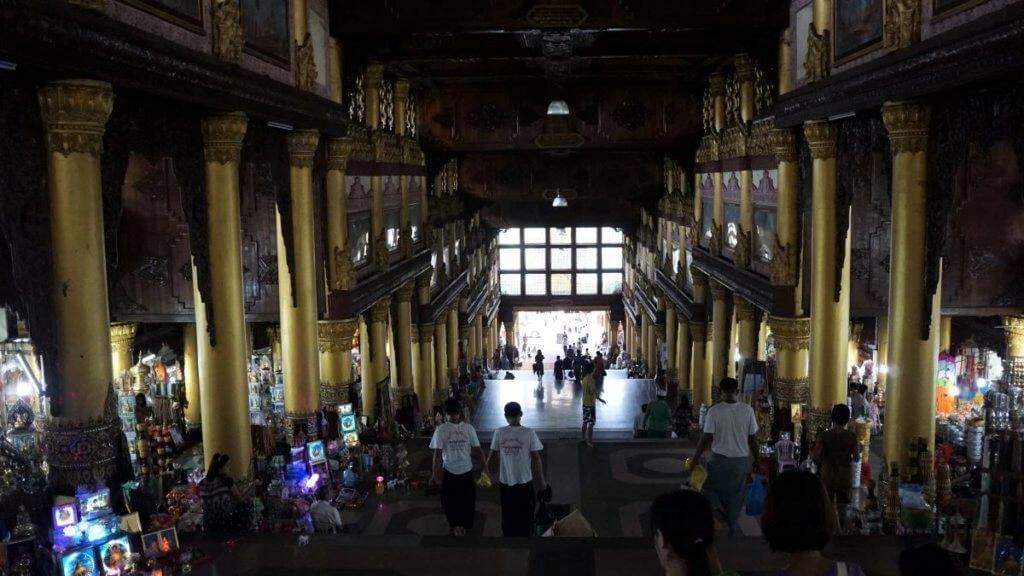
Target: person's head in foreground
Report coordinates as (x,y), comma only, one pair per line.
(218,465)
(840,415)
(683,531)
(453,409)
(730,389)
(513,413)
(799,519)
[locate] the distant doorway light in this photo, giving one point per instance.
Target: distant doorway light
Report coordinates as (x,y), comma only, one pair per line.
(558,108)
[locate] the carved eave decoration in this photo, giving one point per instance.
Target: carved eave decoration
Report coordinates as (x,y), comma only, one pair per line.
(708,149)
(362,149)
(734,143)
(759,142)
(386,147)
(412,153)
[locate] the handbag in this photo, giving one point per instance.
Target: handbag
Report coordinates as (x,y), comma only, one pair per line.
(755,497)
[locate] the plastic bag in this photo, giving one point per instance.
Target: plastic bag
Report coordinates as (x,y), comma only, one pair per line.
(755,496)
(698,476)
(484,481)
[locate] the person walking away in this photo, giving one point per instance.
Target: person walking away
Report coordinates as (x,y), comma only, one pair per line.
(454,444)
(799,521)
(538,365)
(834,451)
(658,417)
(730,430)
(858,403)
(518,449)
(325,517)
(599,371)
(683,417)
(683,527)
(591,394)
(558,370)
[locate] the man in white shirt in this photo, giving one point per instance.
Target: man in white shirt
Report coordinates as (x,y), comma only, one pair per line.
(730,430)
(324,515)
(520,465)
(453,443)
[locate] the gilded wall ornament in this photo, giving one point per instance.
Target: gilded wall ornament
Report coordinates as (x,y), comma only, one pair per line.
(819,48)
(764,93)
(732,101)
(789,391)
(338,152)
(227,31)
(743,247)
(381,254)
(75,113)
(122,337)
(902,23)
(405,241)
(784,264)
(305,65)
(716,239)
(708,111)
(783,143)
(357,100)
(907,124)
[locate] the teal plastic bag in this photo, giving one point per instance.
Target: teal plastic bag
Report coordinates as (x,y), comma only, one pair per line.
(755,496)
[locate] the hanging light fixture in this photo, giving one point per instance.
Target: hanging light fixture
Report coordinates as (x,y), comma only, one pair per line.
(559,201)
(558,108)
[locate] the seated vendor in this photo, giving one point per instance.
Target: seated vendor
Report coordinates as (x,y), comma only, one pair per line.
(324,515)
(225,506)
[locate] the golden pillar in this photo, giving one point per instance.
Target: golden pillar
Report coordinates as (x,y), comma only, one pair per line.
(122,342)
(700,367)
(792,360)
(190,365)
(945,334)
(716,87)
(748,326)
(1014,365)
(335,346)
(378,373)
(220,327)
(913,337)
(683,353)
(417,369)
(830,281)
(426,386)
(367,386)
(670,342)
(786,74)
(734,350)
(334,66)
(786,254)
(340,269)
(882,353)
(453,343)
(297,289)
(403,300)
(74,113)
(441,355)
(478,332)
(720,321)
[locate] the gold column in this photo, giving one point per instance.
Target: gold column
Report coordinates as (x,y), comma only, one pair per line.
(882,355)
(403,299)
(190,365)
(335,345)
(716,87)
(426,385)
(945,334)
(720,321)
(734,348)
(744,66)
(700,373)
(378,357)
(670,342)
(74,113)
(223,353)
(478,337)
(785,62)
(441,355)
(683,353)
(122,341)
(297,289)
(786,257)
(1014,365)
(368,385)
(276,356)
(417,368)
(340,270)
(334,65)
(830,290)
(748,326)
(913,337)
(792,360)
(453,343)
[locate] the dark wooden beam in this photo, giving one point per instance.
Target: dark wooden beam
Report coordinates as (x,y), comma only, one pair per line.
(752,287)
(477,298)
(986,49)
(447,296)
(54,39)
(683,301)
(349,303)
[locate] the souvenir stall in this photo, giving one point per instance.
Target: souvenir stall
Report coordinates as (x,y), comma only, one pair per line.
(23,391)
(262,381)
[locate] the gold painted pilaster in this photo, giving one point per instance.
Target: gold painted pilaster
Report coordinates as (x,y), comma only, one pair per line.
(830,302)
(913,338)
(441,354)
(786,73)
(425,386)
(670,339)
(683,354)
(367,387)
(299,308)
(945,334)
(190,365)
(403,301)
(882,356)
(748,326)
(700,367)
(716,86)
(720,343)
(223,356)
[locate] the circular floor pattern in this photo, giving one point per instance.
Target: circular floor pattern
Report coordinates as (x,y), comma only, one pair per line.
(665,465)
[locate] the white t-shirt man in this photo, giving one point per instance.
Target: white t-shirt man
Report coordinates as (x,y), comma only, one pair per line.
(455,441)
(731,424)
(324,516)
(514,445)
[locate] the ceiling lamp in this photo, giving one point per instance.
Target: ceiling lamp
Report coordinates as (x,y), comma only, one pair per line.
(558,108)
(559,201)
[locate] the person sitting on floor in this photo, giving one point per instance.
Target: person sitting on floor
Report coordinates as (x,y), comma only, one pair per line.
(325,517)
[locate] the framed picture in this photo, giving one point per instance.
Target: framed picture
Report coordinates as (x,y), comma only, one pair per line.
(943,8)
(857,27)
(160,543)
(184,13)
(803,18)
(265,30)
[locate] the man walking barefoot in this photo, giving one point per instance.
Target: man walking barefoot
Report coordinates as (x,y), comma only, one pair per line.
(454,443)
(591,394)
(520,465)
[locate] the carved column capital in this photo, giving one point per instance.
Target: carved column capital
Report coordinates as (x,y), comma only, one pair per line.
(718,290)
(716,85)
(783,144)
(75,114)
(405,292)
(700,278)
(338,152)
(698,331)
(821,138)
(790,333)
(423,280)
(122,337)
(744,66)
(745,311)
(222,137)
(1014,327)
(907,123)
(336,335)
(426,330)
(380,310)
(302,147)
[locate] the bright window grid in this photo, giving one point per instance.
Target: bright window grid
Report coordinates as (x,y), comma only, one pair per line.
(606,277)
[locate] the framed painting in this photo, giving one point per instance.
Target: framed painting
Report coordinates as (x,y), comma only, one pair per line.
(265,30)
(943,8)
(857,27)
(184,13)
(803,18)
